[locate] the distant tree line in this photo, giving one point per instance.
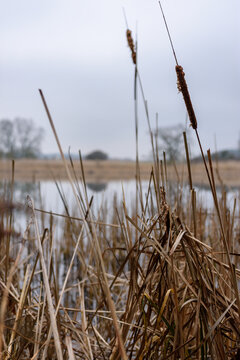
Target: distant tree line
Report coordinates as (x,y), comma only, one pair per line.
(20,138)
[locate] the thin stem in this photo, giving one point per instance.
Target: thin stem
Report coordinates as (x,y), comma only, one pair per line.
(169,36)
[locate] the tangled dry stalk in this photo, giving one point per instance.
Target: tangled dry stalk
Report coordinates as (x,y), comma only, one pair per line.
(172,291)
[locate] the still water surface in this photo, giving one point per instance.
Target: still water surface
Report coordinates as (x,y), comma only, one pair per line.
(46,195)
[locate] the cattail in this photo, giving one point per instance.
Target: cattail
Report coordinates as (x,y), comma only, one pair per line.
(131,45)
(182,86)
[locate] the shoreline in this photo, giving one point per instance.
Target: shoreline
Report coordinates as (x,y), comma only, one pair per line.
(27,170)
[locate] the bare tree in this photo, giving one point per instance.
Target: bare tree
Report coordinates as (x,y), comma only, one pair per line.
(7,137)
(29,137)
(20,138)
(171,141)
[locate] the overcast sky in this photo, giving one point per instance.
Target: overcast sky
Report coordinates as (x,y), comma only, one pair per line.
(76,52)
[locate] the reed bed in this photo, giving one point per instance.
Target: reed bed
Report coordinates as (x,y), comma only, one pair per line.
(165,268)
(158,280)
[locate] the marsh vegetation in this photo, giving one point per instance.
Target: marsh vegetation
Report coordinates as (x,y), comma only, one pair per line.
(152,278)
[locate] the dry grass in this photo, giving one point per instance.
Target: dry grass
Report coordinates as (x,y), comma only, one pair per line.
(97,171)
(173,292)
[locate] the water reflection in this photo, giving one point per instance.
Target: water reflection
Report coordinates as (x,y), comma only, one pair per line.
(46,196)
(20,190)
(97,187)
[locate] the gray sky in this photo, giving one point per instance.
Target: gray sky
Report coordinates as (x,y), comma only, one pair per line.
(76,52)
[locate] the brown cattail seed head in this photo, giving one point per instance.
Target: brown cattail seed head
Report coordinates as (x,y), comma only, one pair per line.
(182,86)
(131,45)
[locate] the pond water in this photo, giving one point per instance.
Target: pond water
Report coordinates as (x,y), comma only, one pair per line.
(47,195)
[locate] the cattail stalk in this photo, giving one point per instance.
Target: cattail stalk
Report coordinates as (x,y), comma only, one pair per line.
(132,46)
(182,87)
